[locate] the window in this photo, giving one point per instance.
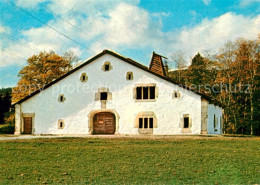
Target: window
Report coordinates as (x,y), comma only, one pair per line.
(103,96)
(215,122)
(176,94)
(186,122)
(83,77)
(61,98)
(61,124)
(107,66)
(145,123)
(145,93)
(129,76)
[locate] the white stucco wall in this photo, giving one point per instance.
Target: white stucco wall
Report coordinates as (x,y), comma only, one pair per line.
(217,111)
(80,101)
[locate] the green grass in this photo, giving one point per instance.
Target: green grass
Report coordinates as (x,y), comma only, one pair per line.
(171,160)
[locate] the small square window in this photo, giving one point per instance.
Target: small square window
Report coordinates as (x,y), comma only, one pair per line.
(83,77)
(103,96)
(186,122)
(107,67)
(61,124)
(129,76)
(176,94)
(61,98)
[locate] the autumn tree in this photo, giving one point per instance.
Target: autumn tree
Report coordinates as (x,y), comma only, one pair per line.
(233,76)
(41,69)
(226,56)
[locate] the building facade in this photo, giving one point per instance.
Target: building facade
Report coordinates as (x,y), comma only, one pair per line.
(112,94)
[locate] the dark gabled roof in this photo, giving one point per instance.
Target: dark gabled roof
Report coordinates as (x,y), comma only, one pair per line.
(128,60)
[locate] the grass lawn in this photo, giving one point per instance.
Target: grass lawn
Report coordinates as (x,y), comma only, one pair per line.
(171,160)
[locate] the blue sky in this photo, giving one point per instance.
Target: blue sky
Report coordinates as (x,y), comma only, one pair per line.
(133,28)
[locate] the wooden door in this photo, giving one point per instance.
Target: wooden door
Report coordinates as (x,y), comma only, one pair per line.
(27,122)
(104,123)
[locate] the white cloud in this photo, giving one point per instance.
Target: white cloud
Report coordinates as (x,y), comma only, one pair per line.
(126,26)
(212,34)
(245,3)
(29,4)
(206,2)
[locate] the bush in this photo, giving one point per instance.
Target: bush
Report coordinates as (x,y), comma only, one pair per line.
(7,129)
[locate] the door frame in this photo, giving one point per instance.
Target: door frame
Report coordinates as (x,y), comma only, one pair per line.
(94,112)
(32,115)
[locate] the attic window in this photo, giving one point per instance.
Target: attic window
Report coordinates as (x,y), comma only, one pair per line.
(83,77)
(107,66)
(129,76)
(103,96)
(176,94)
(61,124)
(61,98)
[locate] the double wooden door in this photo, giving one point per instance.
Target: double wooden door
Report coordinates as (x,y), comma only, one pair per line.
(104,123)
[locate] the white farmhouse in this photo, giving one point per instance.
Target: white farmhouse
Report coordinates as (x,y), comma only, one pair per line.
(112,94)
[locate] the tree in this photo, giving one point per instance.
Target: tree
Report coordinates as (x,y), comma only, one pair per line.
(240,61)
(226,56)
(246,66)
(1,110)
(180,63)
(5,104)
(41,69)
(234,71)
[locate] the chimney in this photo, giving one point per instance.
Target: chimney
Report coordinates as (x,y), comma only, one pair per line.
(156,64)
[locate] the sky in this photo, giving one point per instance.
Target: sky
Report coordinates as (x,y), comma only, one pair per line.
(132,28)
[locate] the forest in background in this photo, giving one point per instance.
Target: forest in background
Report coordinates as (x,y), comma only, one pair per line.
(231,76)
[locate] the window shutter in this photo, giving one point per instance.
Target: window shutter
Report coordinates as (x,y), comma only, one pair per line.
(190,122)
